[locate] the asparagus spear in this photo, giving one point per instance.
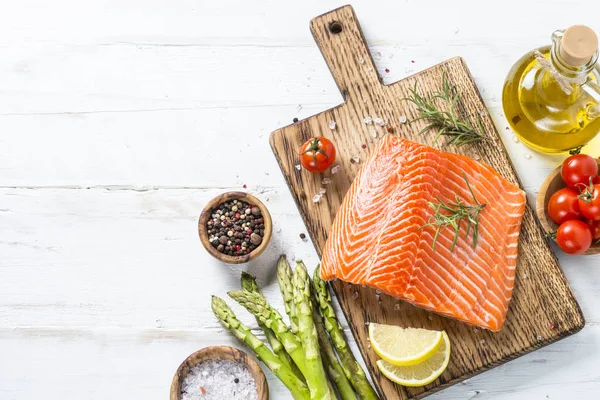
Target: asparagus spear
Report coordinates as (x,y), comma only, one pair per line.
(284,276)
(352,368)
(334,369)
(317,381)
(268,315)
(249,284)
(298,389)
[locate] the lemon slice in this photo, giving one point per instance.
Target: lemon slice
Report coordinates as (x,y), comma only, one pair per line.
(419,374)
(403,346)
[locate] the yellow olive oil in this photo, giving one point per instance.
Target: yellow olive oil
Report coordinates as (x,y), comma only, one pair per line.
(551,106)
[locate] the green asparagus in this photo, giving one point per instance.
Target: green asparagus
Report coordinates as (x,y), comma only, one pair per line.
(268,315)
(352,368)
(317,380)
(284,276)
(249,284)
(334,369)
(298,389)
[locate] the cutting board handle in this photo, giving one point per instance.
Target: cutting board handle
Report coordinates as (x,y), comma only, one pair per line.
(345,50)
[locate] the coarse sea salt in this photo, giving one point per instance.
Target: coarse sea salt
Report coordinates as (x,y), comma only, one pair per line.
(219,379)
(335,169)
(326,181)
(332,124)
(403,119)
(368,120)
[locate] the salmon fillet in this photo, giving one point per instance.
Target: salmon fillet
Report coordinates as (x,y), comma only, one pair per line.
(378,239)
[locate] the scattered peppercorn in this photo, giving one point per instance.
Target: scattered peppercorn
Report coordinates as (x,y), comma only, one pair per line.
(390,129)
(364,146)
(387,70)
(236,380)
(235,228)
(302,236)
(295,120)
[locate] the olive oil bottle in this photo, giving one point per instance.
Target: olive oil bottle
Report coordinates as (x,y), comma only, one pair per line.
(551,96)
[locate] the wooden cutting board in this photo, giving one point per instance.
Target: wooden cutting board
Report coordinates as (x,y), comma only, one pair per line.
(543,309)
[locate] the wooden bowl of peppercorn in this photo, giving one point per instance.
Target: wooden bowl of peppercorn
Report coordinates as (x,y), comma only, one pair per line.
(235,227)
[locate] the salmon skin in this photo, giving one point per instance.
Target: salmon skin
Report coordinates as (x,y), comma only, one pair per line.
(379,238)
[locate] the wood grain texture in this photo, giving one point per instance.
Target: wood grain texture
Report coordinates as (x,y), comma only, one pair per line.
(551,185)
(543,309)
(225,352)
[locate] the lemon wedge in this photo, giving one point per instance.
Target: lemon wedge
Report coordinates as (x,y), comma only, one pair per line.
(403,346)
(419,374)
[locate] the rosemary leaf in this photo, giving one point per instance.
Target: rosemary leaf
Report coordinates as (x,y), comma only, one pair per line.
(448,123)
(451,214)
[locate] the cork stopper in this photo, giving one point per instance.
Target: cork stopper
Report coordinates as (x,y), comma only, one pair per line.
(578,45)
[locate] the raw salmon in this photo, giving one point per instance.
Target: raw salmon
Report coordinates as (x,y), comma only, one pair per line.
(378,237)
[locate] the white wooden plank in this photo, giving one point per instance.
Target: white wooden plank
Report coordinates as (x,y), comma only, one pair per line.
(122,363)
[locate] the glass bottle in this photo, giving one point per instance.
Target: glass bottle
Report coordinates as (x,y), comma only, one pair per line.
(551,96)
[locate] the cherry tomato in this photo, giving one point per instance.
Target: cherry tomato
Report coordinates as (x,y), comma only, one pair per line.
(564,205)
(317,154)
(574,237)
(595,229)
(578,169)
(596,180)
(589,202)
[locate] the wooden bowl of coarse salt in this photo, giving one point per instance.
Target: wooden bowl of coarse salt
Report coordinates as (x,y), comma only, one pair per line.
(219,372)
(242,230)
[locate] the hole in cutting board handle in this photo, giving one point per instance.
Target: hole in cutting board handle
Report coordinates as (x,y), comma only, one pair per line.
(335,27)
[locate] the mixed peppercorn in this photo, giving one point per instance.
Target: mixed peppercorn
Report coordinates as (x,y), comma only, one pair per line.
(236,228)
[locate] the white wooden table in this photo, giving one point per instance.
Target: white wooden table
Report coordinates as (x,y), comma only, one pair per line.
(119,119)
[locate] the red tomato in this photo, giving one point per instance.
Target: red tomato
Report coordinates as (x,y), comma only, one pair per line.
(589,202)
(574,237)
(595,229)
(318,154)
(564,205)
(596,180)
(578,169)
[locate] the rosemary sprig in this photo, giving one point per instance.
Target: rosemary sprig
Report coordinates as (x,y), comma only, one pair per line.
(451,214)
(448,123)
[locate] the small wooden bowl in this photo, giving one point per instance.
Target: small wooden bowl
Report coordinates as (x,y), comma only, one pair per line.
(228,353)
(552,184)
(206,215)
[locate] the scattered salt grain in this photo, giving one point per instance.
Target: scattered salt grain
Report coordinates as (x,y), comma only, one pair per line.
(373,134)
(539,338)
(355,295)
(317,198)
(322,191)
(528,156)
(326,181)
(377,297)
(368,345)
(524,276)
(349,286)
(299,107)
(456,30)
(298,167)
(403,119)
(219,379)
(514,139)
(361,60)
(370,69)
(430,317)
(335,169)
(377,291)
(476,157)
(332,124)
(368,120)
(355,160)
(379,121)
(396,306)
(482,342)
(367,323)
(475,330)
(408,70)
